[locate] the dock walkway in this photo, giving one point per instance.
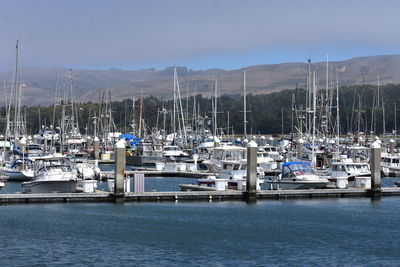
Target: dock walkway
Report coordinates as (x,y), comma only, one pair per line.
(191,196)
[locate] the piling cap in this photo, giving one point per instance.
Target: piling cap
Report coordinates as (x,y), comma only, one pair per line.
(375,144)
(96,139)
(300,141)
(22,141)
(391,140)
(271,138)
(120,144)
(245,141)
(238,139)
(252,144)
(263,137)
(216,140)
(254,137)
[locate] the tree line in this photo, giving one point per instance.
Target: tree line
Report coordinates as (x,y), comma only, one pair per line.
(267,113)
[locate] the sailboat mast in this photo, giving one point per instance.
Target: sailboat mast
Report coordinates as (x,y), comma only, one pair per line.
(337,111)
(244,105)
(215,107)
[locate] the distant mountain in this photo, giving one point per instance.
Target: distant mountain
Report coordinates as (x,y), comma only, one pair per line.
(40,82)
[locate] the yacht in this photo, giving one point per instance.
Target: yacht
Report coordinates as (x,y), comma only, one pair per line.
(298,175)
(53,174)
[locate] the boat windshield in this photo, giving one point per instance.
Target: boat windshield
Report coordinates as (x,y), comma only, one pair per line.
(298,168)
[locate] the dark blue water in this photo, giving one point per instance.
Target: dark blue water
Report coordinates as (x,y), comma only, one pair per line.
(328,232)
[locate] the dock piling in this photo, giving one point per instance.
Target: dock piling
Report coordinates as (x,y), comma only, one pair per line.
(391,147)
(251,181)
(96,142)
(300,143)
(119,172)
(375,169)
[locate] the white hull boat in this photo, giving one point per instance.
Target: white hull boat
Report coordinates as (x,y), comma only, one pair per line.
(54,174)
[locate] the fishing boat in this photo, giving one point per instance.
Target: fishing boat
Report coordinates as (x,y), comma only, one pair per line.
(347,168)
(390,164)
(298,175)
(145,154)
(224,152)
(53,174)
(269,165)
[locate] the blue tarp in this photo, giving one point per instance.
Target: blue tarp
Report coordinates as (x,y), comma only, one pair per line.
(295,162)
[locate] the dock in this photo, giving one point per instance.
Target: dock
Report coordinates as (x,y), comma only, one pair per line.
(228,195)
(155,173)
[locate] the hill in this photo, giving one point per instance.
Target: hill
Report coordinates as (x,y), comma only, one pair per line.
(261,79)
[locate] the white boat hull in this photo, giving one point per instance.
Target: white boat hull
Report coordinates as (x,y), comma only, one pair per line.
(35,187)
(292,185)
(17,175)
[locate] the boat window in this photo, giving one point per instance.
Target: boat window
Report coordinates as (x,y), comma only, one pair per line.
(386,160)
(236,167)
(350,168)
(395,160)
(338,168)
(243,167)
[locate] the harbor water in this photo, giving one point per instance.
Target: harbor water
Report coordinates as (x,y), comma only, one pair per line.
(326,232)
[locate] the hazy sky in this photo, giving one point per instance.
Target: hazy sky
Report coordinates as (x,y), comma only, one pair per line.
(199,34)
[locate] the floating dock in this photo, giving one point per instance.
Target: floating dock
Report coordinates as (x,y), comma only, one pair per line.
(155,173)
(192,196)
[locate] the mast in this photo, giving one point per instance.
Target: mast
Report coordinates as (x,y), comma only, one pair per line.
(174,108)
(244,104)
(314,101)
(337,111)
(215,107)
(14,85)
(395,121)
(140,113)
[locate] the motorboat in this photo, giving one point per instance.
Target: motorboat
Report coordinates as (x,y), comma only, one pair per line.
(19,170)
(269,165)
(272,152)
(211,183)
(174,153)
(390,164)
(237,169)
(53,174)
(224,152)
(145,154)
(349,169)
(298,175)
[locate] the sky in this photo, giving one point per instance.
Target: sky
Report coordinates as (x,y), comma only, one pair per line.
(135,34)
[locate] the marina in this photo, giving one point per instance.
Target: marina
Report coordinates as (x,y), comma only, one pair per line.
(199,133)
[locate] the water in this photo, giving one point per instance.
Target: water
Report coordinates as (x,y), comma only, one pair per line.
(327,232)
